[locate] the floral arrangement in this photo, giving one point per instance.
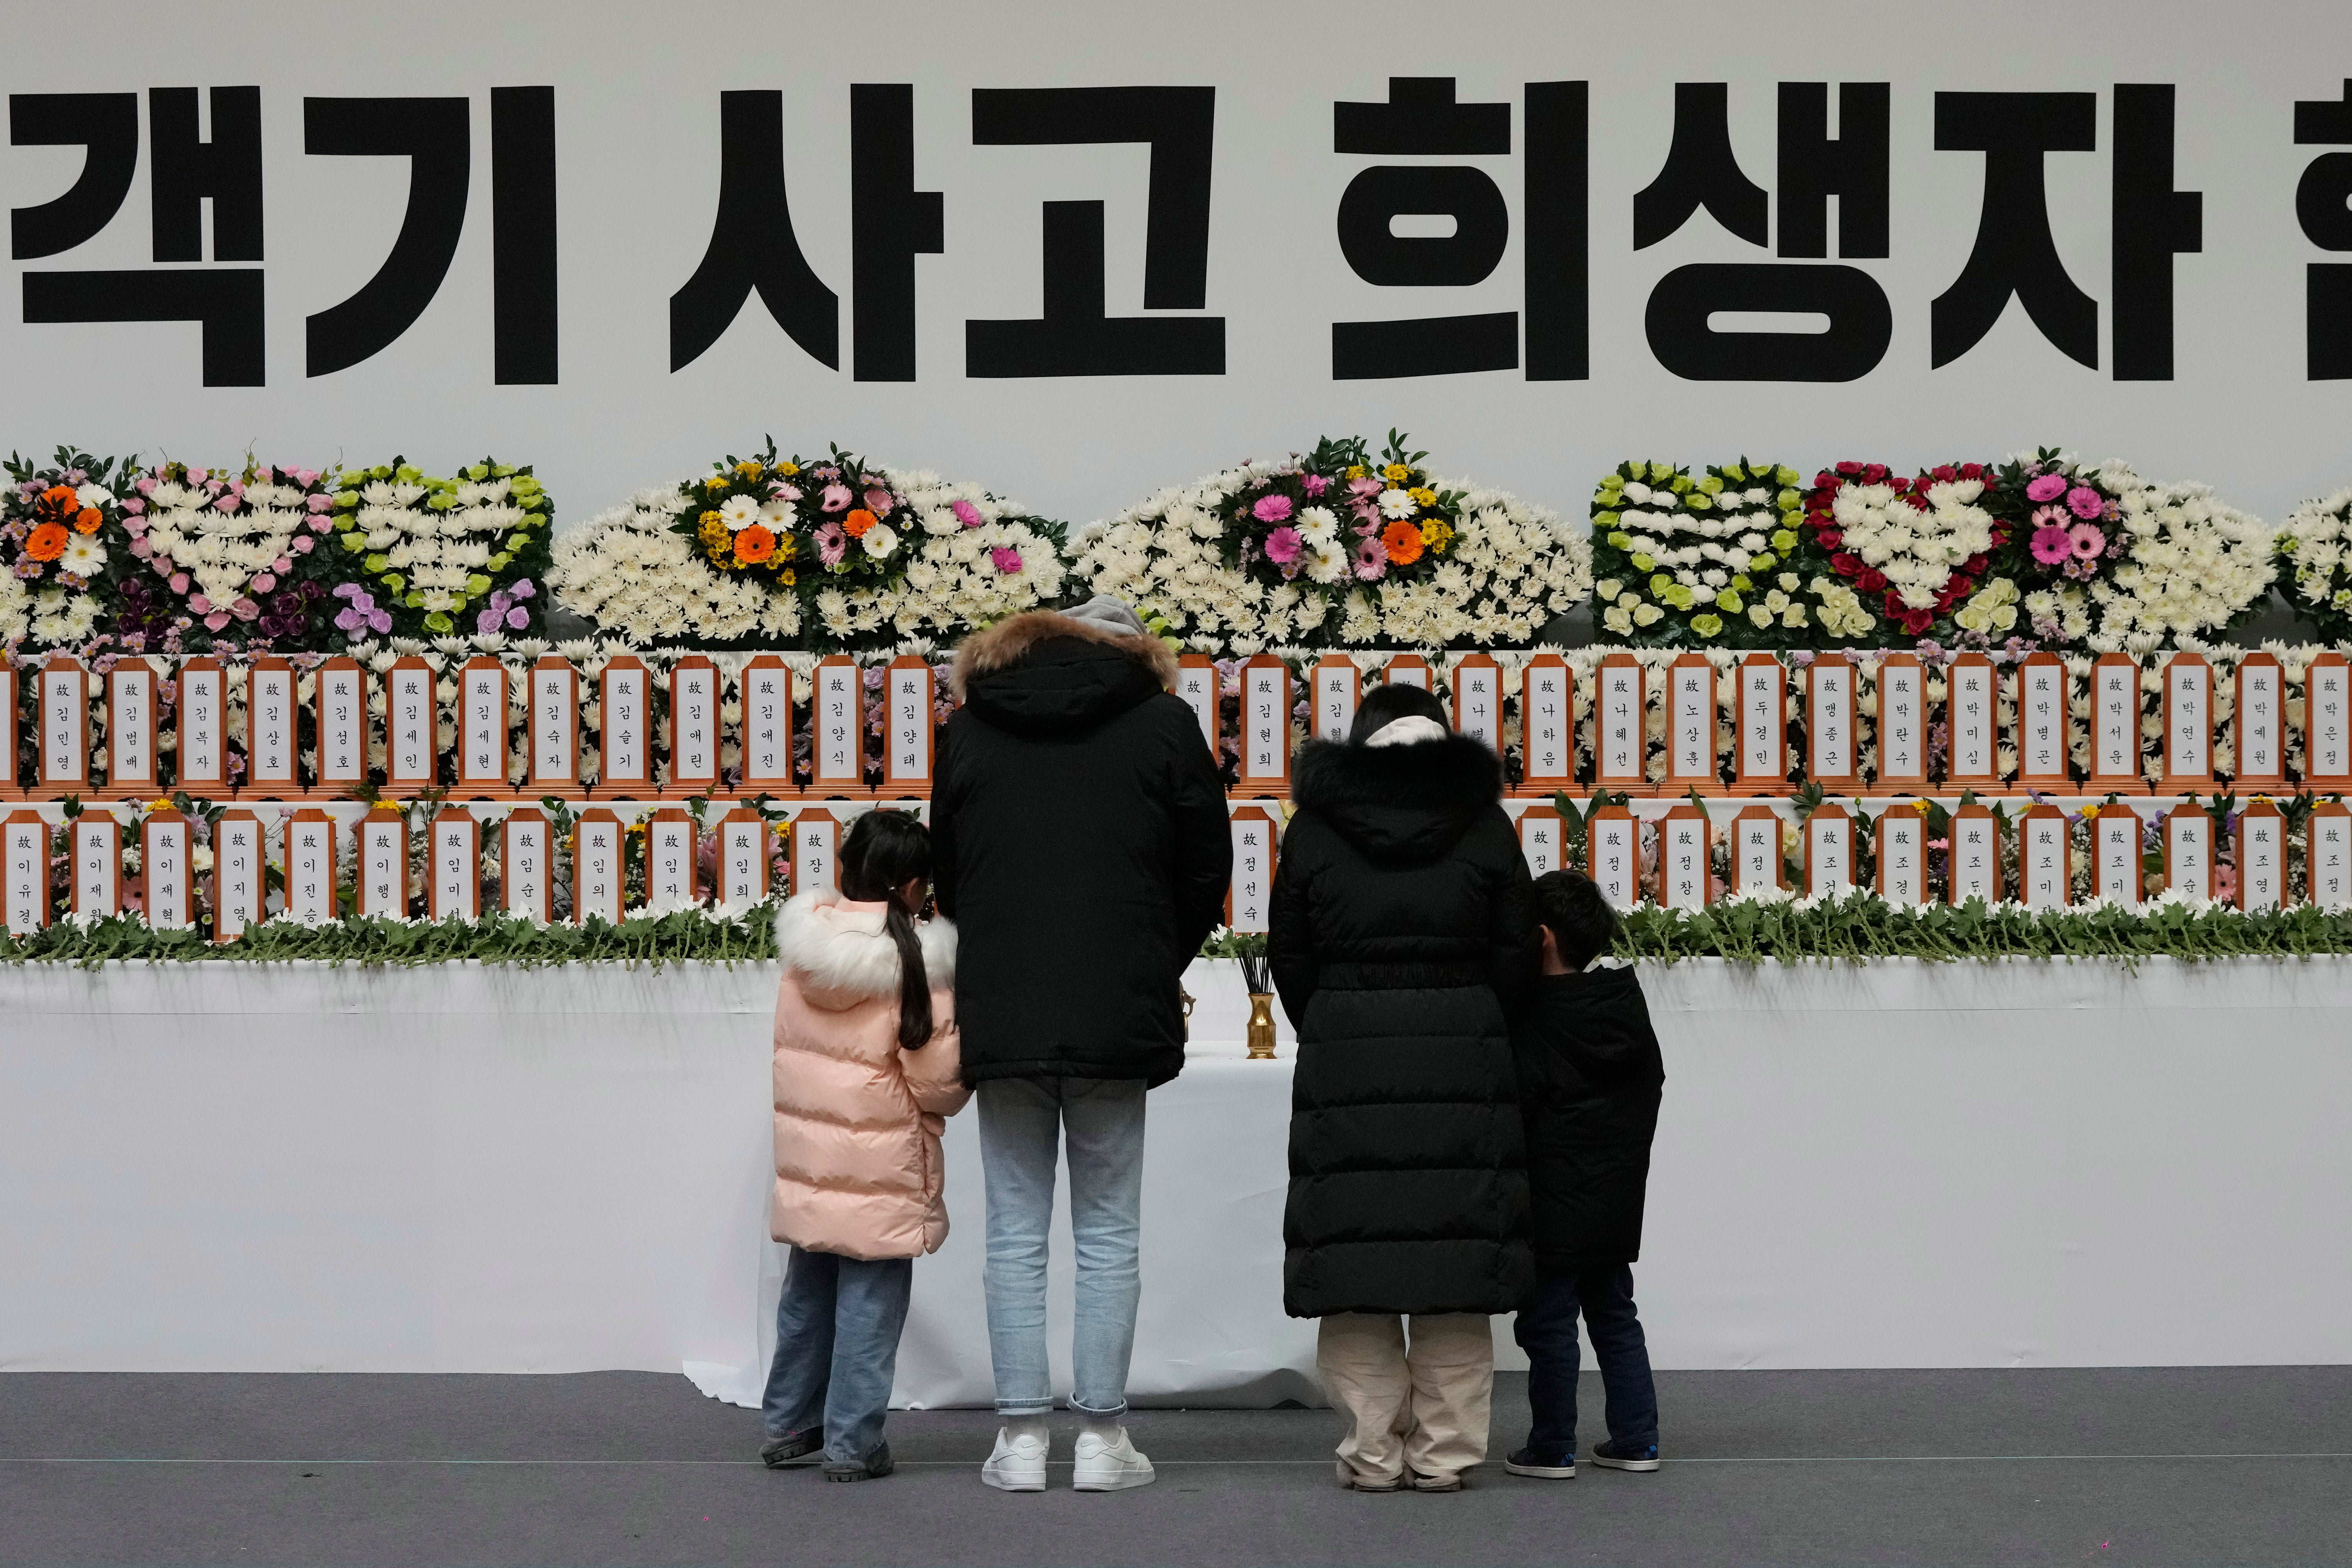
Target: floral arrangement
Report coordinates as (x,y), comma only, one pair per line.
(2316,565)
(60,537)
(766,547)
(1332,548)
(231,550)
(1912,548)
(1682,561)
(436,555)
(2106,560)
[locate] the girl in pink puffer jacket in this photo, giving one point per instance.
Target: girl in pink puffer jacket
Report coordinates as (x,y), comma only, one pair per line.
(867,1072)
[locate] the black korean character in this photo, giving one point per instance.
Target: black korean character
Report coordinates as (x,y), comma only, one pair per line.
(753,245)
(1701,170)
(227,170)
(2321,199)
(1422,117)
(895,223)
(1074,336)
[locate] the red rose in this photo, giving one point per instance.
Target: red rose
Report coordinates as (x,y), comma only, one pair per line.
(1972,470)
(1973,566)
(1845,565)
(1916,622)
(1871,581)
(1875,474)
(1848,469)
(1919,500)
(1944,475)
(1829,538)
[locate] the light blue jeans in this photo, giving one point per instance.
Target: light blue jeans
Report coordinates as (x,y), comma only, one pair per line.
(1022,1122)
(837,1327)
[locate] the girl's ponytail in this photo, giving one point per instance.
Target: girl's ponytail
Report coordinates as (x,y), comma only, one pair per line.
(884,852)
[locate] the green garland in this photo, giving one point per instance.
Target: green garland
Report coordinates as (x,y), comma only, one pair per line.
(683,936)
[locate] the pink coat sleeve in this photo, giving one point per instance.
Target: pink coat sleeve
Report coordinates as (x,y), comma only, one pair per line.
(934,1074)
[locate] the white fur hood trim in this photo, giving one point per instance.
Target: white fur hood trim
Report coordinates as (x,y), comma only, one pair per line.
(843,947)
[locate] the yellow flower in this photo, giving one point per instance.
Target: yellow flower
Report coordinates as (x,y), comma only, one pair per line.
(2090,813)
(747,471)
(788,470)
(1437,533)
(709,518)
(1397,473)
(162,804)
(1920,806)
(785,576)
(716,484)
(1356,472)
(1423,495)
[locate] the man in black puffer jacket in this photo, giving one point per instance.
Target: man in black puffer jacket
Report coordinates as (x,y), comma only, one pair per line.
(1079,840)
(1401,928)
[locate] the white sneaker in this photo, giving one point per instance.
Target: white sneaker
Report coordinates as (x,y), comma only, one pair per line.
(1017,1464)
(1106,1467)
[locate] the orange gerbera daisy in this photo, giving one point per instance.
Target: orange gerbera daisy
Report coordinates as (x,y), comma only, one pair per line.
(59,498)
(754,545)
(48,543)
(857,523)
(1402,540)
(86,519)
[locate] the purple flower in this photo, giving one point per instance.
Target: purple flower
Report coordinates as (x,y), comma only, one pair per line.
(2086,502)
(1272,509)
(1283,545)
(518,618)
(1007,559)
(966,513)
(2048,488)
(522,589)
(362,615)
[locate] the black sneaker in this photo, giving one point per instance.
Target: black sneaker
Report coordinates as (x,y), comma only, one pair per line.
(792,1449)
(1559,1465)
(1610,1457)
(873,1468)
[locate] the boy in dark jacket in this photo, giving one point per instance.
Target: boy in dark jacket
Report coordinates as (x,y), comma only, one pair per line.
(1590,1078)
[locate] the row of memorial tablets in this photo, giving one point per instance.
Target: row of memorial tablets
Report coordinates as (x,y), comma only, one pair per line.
(2030,858)
(2042,719)
(681,747)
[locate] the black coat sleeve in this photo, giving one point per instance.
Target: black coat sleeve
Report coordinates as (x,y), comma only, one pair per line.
(1514,943)
(1290,932)
(943,837)
(1203,840)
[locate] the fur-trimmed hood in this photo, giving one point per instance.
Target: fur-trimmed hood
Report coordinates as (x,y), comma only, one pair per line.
(843,952)
(1044,673)
(1399,803)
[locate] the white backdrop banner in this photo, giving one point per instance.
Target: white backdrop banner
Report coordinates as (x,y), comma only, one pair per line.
(1081,252)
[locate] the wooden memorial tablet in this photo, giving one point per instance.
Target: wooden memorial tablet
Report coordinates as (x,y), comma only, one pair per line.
(742,856)
(2045,859)
(2327,723)
(202,721)
(766,685)
(166,868)
(673,874)
(1196,683)
(1685,841)
(272,732)
(342,732)
(2044,708)
(907,692)
(526,864)
(1266,727)
(1546,725)
(64,689)
(625,765)
(1612,855)
(1973,861)
(1692,761)
(837,729)
(1901,846)
(454,882)
(2188,851)
(1902,725)
(816,844)
(599,866)
(2262,856)
(1755,864)
(132,701)
(2259,717)
(1620,742)
(1760,754)
(2117,871)
(1338,685)
(1248,899)
(1829,708)
(1407,669)
(412,728)
(1478,699)
(97,849)
(1543,839)
(694,726)
(553,748)
(25,850)
(2114,727)
(311,866)
(382,860)
(2188,743)
(483,728)
(240,873)
(2327,856)
(1972,724)
(1828,851)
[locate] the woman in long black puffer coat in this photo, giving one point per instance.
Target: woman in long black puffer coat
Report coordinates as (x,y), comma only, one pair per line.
(1401,927)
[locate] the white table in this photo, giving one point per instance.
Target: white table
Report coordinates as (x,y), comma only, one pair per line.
(219,1167)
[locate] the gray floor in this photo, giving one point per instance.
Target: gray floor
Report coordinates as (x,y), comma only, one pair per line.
(2152,1466)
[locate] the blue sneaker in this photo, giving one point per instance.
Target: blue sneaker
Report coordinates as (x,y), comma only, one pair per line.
(1557,1465)
(1610,1457)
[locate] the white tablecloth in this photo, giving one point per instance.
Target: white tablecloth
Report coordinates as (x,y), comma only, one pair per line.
(222,1168)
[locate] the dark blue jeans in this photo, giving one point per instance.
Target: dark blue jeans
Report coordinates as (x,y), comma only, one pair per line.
(837,1326)
(1547,1332)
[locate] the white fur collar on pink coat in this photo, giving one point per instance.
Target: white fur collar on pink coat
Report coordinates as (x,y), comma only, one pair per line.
(858,1120)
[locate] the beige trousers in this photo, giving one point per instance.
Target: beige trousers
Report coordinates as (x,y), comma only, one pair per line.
(1425,1408)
